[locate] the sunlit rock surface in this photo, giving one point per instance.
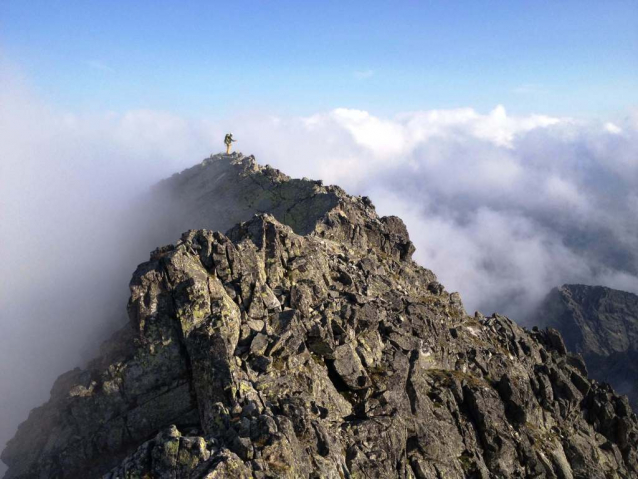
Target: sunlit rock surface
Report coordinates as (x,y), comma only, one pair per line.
(305,342)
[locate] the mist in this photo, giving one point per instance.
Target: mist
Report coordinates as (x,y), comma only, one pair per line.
(76,220)
(501,208)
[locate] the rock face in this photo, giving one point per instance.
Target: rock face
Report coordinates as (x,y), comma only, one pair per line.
(223,191)
(305,342)
(602,325)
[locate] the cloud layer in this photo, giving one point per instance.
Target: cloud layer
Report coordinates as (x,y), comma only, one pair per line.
(501,208)
(69,242)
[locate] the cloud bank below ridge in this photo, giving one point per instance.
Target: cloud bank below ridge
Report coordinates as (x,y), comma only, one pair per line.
(502,208)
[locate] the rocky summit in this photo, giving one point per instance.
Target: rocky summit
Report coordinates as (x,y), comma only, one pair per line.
(601,324)
(304,342)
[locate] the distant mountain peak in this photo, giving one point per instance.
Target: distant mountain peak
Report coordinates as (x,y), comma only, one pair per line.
(601,324)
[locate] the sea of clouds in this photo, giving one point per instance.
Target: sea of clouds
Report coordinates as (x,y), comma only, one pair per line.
(502,208)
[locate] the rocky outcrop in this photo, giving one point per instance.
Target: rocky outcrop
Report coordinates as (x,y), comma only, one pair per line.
(601,324)
(307,343)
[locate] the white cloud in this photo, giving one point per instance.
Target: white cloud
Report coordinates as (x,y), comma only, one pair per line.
(563,191)
(500,129)
(363,74)
(613,129)
(382,138)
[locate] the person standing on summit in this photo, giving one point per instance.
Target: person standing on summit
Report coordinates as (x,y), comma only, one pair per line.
(228,139)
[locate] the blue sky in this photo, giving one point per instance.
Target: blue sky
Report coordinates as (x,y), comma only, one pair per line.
(201,57)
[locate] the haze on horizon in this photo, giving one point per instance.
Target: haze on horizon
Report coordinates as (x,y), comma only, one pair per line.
(505,135)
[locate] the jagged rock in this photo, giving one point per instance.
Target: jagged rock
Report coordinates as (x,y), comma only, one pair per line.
(601,324)
(349,368)
(311,345)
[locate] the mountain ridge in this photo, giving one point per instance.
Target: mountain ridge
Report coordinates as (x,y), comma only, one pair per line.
(305,342)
